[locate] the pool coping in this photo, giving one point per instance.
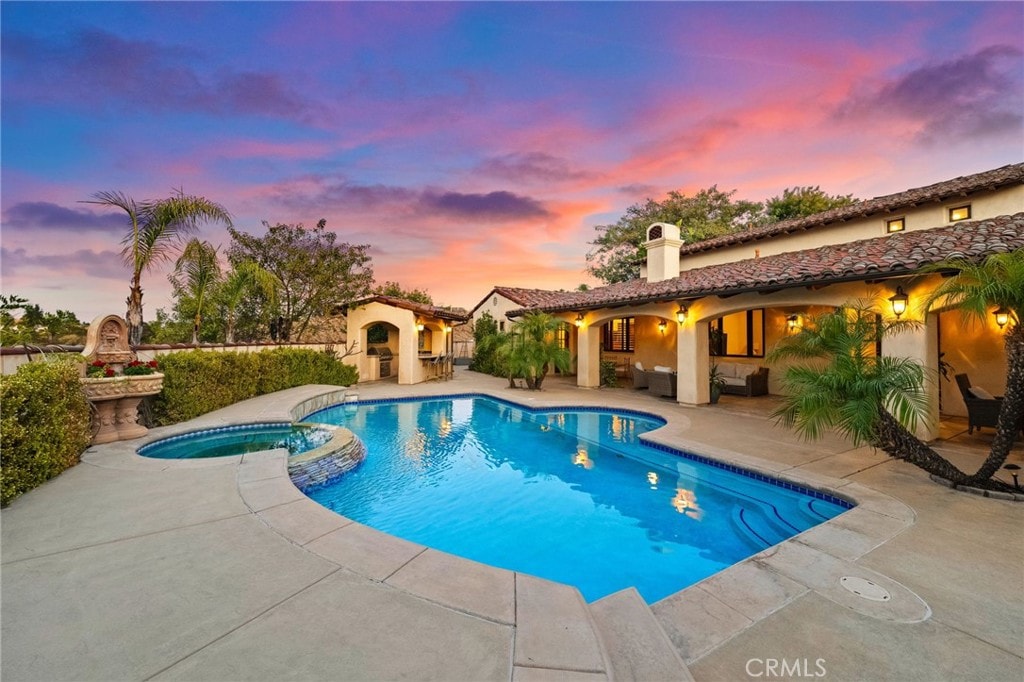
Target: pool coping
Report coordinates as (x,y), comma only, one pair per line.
(697,619)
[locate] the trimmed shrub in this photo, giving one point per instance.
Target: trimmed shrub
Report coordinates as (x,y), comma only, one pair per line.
(44,425)
(197,382)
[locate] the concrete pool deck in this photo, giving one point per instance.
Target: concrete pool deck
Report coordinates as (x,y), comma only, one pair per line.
(131,568)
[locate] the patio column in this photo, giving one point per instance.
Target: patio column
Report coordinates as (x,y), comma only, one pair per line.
(922,345)
(692,363)
(588,363)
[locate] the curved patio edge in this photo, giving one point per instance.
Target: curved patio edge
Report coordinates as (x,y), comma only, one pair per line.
(696,620)
(748,591)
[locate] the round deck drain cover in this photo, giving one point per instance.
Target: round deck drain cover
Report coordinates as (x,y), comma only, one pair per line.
(865,588)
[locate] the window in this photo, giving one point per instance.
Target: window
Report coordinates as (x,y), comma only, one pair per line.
(895,225)
(562,335)
(619,335)
(960,213)
(739,334)
(501,326)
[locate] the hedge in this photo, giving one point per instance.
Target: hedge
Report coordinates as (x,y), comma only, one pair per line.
(44,425)
(197,382)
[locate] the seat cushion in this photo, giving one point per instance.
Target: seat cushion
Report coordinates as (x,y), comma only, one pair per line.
(743,371)
(662,368)
(727,369)
(733,381)
(980,393)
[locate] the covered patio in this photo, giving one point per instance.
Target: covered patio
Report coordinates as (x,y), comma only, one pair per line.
(412,341)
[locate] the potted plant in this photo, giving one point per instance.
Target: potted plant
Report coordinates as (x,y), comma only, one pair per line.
(717,382)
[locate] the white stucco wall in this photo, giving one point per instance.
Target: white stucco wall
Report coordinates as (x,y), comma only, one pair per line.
(1004,201)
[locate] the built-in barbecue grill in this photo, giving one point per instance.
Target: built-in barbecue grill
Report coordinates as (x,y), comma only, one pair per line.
(385,360)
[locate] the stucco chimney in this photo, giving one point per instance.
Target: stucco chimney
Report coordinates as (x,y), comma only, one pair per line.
(662,244)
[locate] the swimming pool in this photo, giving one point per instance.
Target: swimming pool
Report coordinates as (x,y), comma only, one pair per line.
(568,495)
(227,441)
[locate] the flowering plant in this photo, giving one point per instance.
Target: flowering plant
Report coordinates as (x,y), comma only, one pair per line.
(136,368)
(100,369)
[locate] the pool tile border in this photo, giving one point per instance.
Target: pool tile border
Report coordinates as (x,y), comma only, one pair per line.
(839,501)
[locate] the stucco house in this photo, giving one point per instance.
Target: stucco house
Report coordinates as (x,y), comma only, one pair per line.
(730,299)
(398,337)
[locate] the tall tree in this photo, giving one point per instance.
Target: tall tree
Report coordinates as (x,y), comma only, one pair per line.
(247,277)
(157,228)
(797,202)
(978,290)
(314,273)
(196,277)
(618,250)
(395,290)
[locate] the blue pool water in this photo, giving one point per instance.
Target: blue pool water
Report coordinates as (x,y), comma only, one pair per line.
(237,440)
(571,496)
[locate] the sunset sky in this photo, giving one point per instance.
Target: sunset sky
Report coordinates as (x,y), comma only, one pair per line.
(473,144)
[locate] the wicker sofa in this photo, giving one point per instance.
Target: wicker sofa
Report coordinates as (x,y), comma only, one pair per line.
(662,383)
(743,379)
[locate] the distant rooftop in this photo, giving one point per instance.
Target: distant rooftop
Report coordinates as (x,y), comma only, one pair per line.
(940,191)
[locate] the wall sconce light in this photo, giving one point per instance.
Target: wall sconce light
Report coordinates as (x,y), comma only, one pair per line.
(579,320)
(662,325)
(793,324)
(899,302)
(1002,316)
(419,325)
(447,329)
(681,314)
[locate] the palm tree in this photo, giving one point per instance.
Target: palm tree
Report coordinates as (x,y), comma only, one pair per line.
(157,227)
(978,290)
(197,274)
(248,276)
(869,398)
(535,348)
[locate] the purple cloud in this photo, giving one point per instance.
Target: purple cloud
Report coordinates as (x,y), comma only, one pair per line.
(43,215)
(974,95)
(531,167)
(97,67)
(102,264)
(493,206)
(498,206)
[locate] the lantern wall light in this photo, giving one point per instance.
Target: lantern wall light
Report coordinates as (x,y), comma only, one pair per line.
(793,324)
(1002,316)
(419,325)
(899,302)
(662,325)
(579,320)
(681,314)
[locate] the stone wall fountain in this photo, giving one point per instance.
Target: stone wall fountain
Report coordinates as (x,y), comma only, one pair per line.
(115,399)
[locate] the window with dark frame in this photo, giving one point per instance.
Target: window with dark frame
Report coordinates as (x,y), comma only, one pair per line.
(619,335)
(957,213)
(739,334)
(895,225)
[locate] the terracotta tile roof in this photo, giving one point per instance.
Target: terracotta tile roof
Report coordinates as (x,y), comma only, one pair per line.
(940,191)
(455,314)
(889,256)
(528,298)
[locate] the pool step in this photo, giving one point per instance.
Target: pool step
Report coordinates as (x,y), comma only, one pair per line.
(636,645)
(761,530)
(555,633)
